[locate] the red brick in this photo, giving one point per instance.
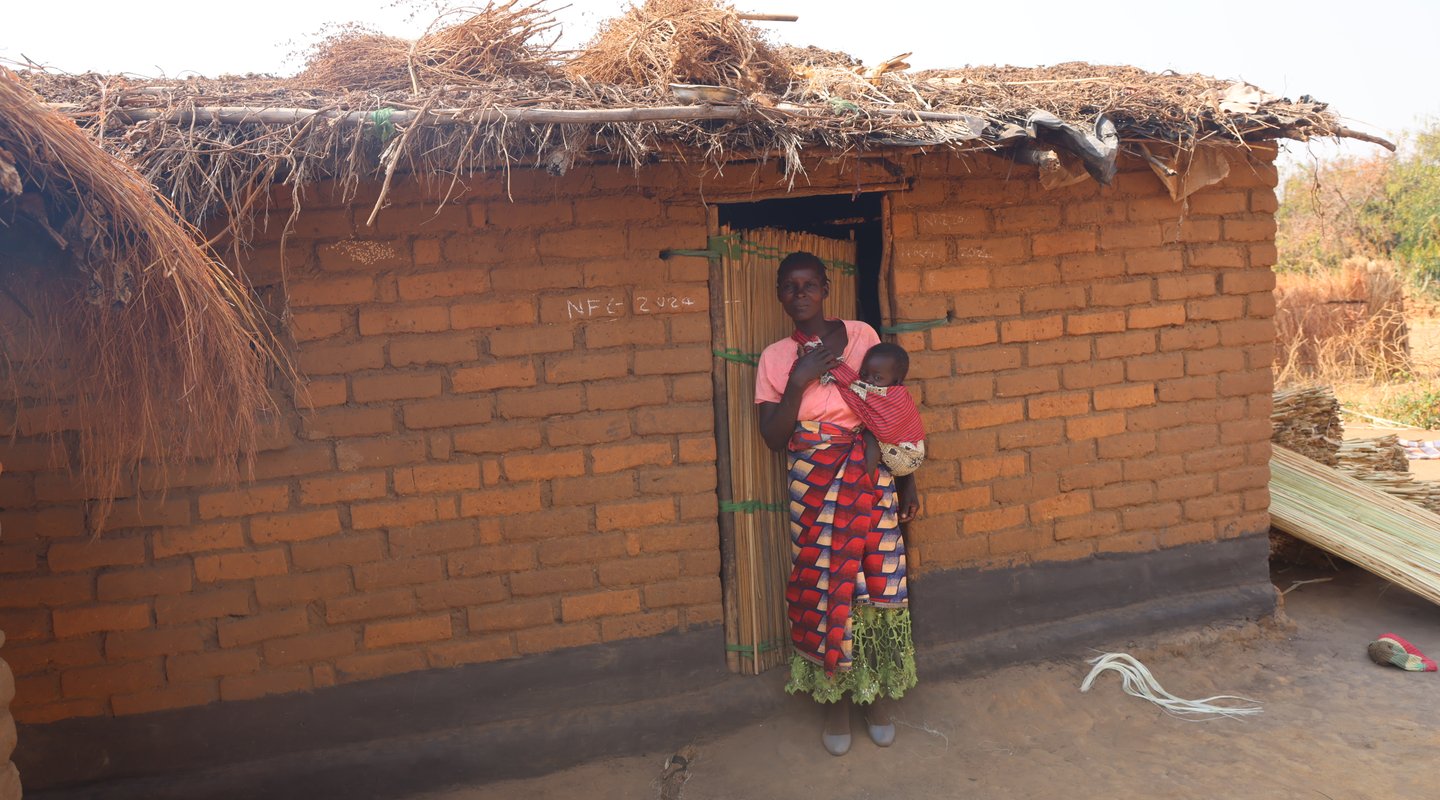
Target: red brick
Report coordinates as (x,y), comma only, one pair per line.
(54,656)
(497,375)
(638,625)
(403,319)
(1100,322)
(395,386)
(614,458)
(132,645)
(531,341)
(171,697)
(440,537)
(307,326)
(970,335)
(1095,426)
(296,527)
(69,622)
(332,291)
(546,524)
(667,481)
(993,519)
(699,450)
(309,648)
(977,470)
(367,667)
(407,631)
(290,590)
(437,478)
(341,359)
(262,684)
(449,283)
(340,488)
(524,404)
(1092,374)
(1130,396)
(1150,517)
(689,591)
(447,413)
(501,502)
(199,666)
(640,571)
(406,351)
(388,451)
(1069,504)
(111,679)
(239,566)
(624,394)
(145,582)
(372,605)
(343,422)
(515,615)
(337,551)
(955,279)
(630,515)
(197,606)
(244,502)
(493,314)
(451,594)
(552,581)
(1029,330)
(470,651)
(544,465)
(1068,241)
(98,552)
(541,640)
(990,414)
(390,574)
(263,627)
(1058,405)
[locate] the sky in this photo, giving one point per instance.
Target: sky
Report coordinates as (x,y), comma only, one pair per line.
(1375,67)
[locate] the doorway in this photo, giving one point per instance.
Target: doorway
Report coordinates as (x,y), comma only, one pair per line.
(846,233)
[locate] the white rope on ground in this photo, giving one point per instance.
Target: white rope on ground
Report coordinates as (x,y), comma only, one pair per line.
(1138,682)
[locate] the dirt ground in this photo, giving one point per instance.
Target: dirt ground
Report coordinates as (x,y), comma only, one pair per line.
(1335,725)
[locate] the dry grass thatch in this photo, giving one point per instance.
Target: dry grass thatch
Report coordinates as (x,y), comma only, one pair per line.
(121,328)
(1339,325)
(461,46)
(458,106)
(660,42)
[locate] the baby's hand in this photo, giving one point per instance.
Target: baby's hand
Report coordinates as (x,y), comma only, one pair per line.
(872,452)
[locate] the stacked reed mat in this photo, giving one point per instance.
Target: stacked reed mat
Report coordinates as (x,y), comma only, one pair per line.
(1308,422)
(1381,454)
(1396,540)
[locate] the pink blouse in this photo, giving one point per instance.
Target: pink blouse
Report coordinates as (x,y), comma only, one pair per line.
(819,403)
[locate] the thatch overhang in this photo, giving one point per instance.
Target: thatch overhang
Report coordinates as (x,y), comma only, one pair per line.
(122,336)
(215,146)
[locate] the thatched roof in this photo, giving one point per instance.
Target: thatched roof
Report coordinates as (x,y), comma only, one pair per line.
(117,323)
(486,92)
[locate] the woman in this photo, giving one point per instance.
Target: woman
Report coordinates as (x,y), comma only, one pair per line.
(846,595)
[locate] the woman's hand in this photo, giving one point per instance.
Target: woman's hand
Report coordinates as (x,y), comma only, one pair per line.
(809,367)
(907,498)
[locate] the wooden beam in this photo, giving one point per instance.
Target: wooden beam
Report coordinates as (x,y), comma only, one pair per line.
(769,17)
(257,115)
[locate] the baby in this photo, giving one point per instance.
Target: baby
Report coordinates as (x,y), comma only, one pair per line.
(893,431)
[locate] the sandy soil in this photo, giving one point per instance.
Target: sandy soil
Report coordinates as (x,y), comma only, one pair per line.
(1335,725)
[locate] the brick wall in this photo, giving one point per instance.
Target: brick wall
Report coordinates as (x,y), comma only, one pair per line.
(508,444)
(1105,385)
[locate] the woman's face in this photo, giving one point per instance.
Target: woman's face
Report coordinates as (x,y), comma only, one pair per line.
(802,292)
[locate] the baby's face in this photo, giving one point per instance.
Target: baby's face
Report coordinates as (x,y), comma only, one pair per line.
(880,370)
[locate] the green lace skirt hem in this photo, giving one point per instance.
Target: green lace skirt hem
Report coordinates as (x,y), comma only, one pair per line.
(883,655)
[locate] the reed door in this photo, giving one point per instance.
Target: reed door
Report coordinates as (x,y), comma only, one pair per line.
(754,515)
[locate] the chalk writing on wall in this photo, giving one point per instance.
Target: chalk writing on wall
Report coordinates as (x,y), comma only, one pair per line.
(653,303)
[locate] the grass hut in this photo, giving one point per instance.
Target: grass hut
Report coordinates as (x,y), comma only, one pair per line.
(512,516)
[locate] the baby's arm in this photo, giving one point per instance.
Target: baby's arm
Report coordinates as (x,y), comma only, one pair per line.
(872,452)
(907,497)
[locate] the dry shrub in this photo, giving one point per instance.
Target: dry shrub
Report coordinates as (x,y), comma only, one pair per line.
(119,329)
(355,57)
(1341,324)
(661,42)
(504,39)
